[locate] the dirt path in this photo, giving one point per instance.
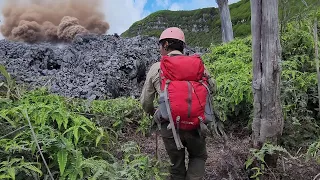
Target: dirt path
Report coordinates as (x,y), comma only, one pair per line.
(227,161)
(220,162)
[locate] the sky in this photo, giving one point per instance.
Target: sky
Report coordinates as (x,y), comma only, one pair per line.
(121,14)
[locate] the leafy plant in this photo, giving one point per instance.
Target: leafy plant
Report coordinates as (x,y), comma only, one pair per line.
(10,168)
(298,89)
(258,156)
(119,114)
(74,146)
(231,66)
(8,88)
(140,166)
(314,151)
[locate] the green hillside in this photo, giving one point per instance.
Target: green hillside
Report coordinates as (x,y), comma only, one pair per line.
(202,26)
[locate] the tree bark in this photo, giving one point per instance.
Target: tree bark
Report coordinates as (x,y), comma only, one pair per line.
(316,50)
(267,123)
(226,24)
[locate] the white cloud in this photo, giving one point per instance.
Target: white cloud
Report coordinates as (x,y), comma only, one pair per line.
(196,4)
(121,14)
(175,7)
(233,1)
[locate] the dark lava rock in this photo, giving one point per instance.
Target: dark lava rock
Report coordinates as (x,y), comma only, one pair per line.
(96,66)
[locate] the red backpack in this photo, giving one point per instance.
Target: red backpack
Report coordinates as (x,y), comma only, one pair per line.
(184,91)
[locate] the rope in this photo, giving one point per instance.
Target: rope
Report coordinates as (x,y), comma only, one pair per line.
(25,113)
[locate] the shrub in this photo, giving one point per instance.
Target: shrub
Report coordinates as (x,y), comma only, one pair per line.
(231,66)
(51,136)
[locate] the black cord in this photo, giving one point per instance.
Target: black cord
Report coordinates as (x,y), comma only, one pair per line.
(200,102)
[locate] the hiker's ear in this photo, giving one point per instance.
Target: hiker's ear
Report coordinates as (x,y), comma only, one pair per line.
(165,45)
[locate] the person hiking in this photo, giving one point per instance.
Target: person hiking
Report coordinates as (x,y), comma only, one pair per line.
(184,88)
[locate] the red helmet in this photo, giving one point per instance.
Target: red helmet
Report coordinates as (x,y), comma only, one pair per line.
(173,33)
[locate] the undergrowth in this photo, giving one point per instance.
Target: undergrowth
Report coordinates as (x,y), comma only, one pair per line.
(46,136)
(231,66)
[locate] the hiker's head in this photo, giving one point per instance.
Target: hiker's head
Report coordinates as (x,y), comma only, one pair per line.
(171,39)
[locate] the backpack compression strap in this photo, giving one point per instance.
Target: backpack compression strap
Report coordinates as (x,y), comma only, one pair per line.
(175,135)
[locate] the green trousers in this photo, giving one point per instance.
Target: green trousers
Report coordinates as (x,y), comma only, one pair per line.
(196,147)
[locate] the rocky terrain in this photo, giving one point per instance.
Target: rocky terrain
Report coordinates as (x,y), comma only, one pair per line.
(92,66)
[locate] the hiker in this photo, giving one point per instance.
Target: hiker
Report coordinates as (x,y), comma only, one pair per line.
(186,83)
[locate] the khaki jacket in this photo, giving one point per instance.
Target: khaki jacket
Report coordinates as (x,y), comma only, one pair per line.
(151,86)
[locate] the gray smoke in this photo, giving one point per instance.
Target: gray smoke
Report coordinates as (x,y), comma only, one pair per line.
(46,20)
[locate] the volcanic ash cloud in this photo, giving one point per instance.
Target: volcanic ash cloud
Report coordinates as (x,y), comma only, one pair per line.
(56,21)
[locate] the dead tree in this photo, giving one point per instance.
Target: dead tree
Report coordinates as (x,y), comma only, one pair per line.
(267,123)
(316,50)
(226,24)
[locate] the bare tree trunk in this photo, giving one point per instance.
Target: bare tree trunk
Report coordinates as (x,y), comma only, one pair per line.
(316,49)
(226,24)
(267,123)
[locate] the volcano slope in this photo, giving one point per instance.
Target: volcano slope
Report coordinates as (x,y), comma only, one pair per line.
(91,67)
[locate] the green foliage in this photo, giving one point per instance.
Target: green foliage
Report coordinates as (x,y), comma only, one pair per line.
(74,145)
(139,166)
(187,20)
(119,114)
(154,24)
(231,66)
(9,169)
(8,88)
(299,87)
(314,151)
(256,161)
(60,132)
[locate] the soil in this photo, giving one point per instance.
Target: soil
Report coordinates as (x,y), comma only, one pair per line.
(226,161)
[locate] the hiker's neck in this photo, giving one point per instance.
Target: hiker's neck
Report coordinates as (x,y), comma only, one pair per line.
(174,52)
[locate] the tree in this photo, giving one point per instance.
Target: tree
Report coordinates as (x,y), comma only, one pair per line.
(316,49)
(226,24)
(267,122)
(295,10)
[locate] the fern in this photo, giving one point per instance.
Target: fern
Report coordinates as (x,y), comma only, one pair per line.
(259,155)
(314,151)
(139,166)
(77,147)
(62,156)
(9,168)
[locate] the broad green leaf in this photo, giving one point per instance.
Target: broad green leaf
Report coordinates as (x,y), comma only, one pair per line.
(249,162)
(4,176)
(12,173)
(101,135)
(76,134)
(4,72)
(85,129)
(62,156)
(33,168)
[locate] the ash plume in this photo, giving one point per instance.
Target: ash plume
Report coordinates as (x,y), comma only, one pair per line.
(55,21)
